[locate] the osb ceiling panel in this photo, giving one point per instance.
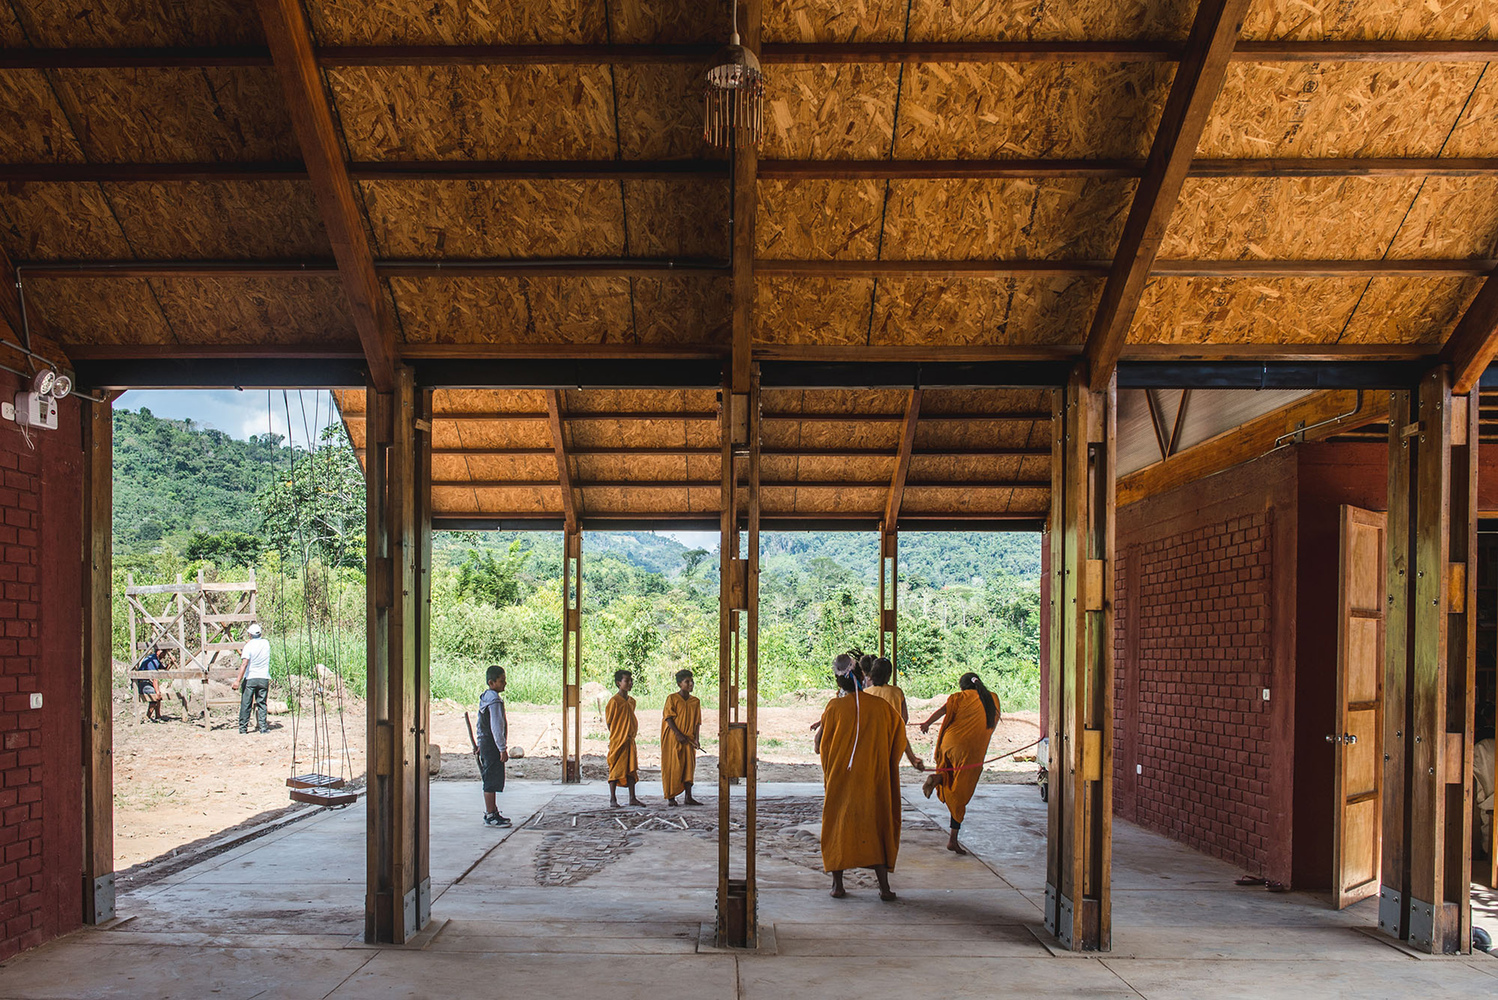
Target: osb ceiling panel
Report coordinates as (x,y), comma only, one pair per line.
(819,219)
(96,311)
(34,128)
(448,310)
(1289,217)
(576,401)
(1310,20)
(224,220)
(963,20)
(118,23)
(1245,310)
(1410,310)
(203,114)
(853,402)
(457,22)
(1451,217)
(989,311)
(829,112)
(681,310)
(523,218)
(295,310)
(829,311)
(834,20)
(686,217)
(58,222)
(1337,109)
(450,401)
(659,110)
(1038,109)
(476,112)
(1476,132)
(1006,219)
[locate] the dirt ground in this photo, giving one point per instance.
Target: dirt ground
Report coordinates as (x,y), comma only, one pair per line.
(177,783)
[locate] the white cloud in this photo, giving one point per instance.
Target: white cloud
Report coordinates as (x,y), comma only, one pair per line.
(240,414)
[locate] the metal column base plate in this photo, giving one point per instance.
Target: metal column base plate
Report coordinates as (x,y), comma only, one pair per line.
(1390,902)
(1422,923)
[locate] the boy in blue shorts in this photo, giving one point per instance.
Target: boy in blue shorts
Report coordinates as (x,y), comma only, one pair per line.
(492,752)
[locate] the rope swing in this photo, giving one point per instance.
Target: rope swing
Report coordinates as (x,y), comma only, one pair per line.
(316,685)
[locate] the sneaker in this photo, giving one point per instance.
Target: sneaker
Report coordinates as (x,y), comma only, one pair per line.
(495,819)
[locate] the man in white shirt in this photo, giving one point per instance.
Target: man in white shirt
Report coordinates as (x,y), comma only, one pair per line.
(253,682)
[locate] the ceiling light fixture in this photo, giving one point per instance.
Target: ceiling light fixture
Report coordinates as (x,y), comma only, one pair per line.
(733,94)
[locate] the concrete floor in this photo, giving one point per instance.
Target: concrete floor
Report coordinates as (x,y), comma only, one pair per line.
(280,917)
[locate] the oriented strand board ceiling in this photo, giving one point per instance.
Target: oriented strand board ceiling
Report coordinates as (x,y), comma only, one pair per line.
(924,205)
(827,455)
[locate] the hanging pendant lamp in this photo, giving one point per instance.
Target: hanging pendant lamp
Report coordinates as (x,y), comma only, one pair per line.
(733,94)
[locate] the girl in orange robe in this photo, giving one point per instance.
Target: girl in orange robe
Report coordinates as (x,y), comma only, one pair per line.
(968,720)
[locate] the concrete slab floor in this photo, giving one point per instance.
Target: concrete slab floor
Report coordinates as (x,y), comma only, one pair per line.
(582,899)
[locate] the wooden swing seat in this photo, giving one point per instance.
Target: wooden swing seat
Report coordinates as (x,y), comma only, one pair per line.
(324,796)
(314,781)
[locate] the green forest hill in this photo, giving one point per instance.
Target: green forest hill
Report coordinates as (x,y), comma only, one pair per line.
(187,497)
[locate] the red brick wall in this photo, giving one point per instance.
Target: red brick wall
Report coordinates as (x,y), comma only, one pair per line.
(40,619)
(1196,642)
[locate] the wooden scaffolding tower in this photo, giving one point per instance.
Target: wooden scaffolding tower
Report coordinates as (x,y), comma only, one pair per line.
(193,621)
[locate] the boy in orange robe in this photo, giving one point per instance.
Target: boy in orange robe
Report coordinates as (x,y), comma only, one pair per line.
(624,758)
(681,720)
(968,720)
(879,686)
(860,742)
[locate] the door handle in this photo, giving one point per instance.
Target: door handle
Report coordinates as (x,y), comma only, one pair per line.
(1347,739)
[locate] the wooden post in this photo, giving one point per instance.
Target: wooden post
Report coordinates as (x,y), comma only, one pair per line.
(98,670)
(738,663)
(396,742)
(572,656)
(1079,850)
(422,634)
(1429,672)
(889,598)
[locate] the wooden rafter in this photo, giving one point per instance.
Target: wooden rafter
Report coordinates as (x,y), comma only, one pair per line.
(745,208)
(897,482)
(559,446)
(608,170)
(1317,416)
(741,267)
(1197,82)
(1473,344)
(290,42)
(815,53)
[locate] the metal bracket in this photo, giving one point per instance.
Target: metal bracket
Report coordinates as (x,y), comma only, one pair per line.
(424,902)
(1064,919)
(1422,923)
(1050,908)
(408,912)
(1390,903)
(103,899)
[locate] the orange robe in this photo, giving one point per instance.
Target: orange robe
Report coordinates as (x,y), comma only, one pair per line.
(678,758)
(624,758)
(861,807)
(963,740)
(891,694)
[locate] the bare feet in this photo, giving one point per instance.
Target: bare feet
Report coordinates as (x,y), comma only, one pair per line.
(929,785)
(614,803)
(886,894)
(691,801)
(635,802)
(671,802)
(953,846)
(838,892)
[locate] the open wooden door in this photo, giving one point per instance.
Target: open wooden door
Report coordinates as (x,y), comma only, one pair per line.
(1357,741)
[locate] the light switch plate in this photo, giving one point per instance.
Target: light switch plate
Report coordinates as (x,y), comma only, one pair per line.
(36,699)
(1266,694)
(1138,768)
(8,410)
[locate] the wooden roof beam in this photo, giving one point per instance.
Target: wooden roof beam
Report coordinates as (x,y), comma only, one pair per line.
(559,446)
(784,53)
(290,42)
(897,482)
(1472,345)
(1197,82)
(1319,415)
(607,170)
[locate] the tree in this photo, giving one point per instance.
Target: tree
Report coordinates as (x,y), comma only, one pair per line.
(491,580)
(228,548)
(315,507)
(693,559)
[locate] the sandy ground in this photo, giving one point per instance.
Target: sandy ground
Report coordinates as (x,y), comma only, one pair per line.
(177,783)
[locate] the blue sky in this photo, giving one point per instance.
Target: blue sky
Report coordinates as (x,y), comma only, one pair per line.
(240,414)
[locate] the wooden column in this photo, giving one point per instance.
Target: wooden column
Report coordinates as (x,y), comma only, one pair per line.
(572,656)
(889,597)
(1079,851)
(1429,668)
(98,721)
(738,664)
(397,523)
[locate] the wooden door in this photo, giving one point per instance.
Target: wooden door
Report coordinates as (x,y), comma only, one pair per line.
(1358,737)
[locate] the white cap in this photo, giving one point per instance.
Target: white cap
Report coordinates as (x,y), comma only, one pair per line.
(254,630)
